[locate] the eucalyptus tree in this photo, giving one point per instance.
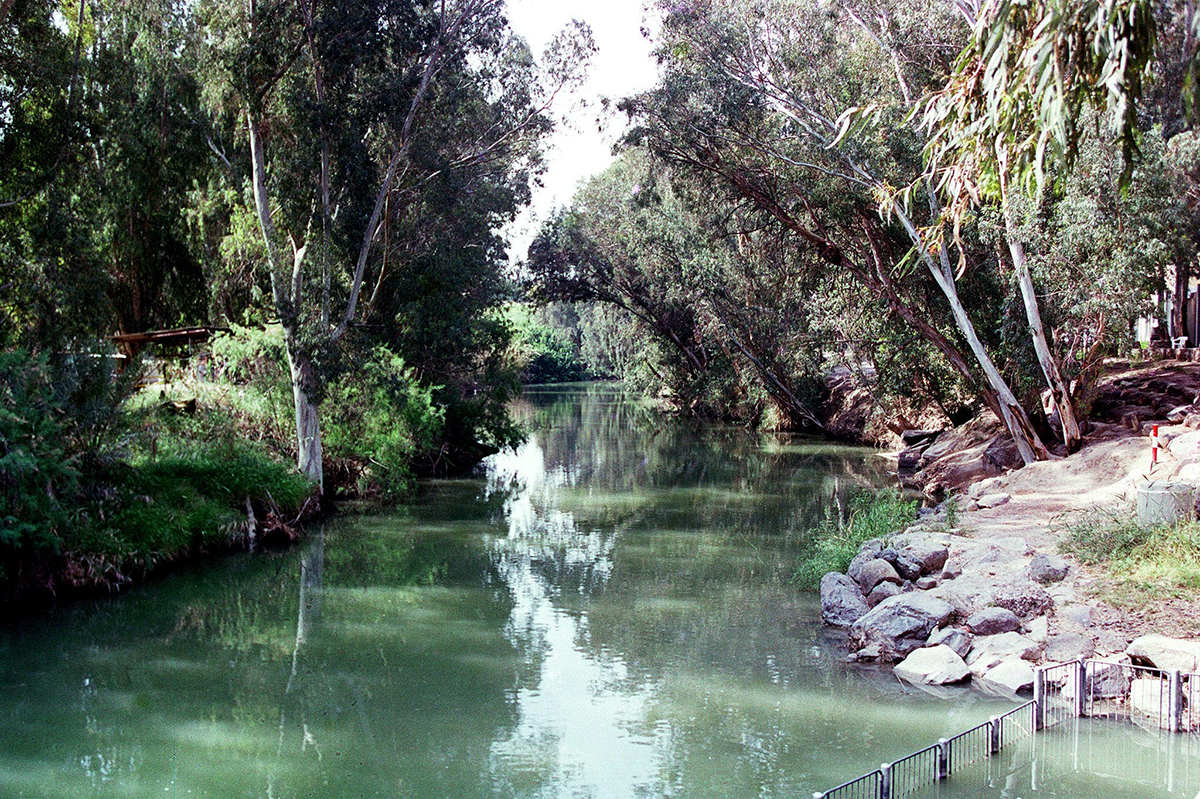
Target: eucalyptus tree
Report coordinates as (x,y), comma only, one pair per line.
(762,96)
(334,95)
(1011,107)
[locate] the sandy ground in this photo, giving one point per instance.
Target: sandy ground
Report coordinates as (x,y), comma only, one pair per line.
(1105,474)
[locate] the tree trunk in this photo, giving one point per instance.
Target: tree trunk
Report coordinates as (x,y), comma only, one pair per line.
(1013,416)
(308,425)
(1072,437)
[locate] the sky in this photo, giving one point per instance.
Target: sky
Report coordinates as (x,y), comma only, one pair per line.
(622,65)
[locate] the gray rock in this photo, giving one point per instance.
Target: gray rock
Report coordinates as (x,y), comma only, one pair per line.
(1039,630)
(842,603)
(875,572)
(958,640)
(870,652)
(866,553)
(881,592)
(913,437)
(1069,646)
(934,665)
(1109,680)
(925,583)
(902,623)
(908,568)
(992,650)
(1046,569)
(951,570)
(1008,678)
(1025,598)
(993,621)
(1076,616)
(1165,653)
(992,500)
(931,557)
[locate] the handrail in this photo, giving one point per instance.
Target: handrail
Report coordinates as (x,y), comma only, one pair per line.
(1076,685)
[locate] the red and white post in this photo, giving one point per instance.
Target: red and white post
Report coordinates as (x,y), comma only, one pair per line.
(1153,446)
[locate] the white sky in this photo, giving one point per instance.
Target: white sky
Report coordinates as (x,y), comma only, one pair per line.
(621,66)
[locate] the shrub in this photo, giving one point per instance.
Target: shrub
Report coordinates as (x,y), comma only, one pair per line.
(835,545)
(382,414)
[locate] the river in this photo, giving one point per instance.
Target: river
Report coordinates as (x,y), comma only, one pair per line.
(607,612)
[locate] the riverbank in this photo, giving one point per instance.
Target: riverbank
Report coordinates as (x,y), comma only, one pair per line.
(1037,558)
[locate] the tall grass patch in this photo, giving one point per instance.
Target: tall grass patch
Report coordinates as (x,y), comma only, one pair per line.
(836,541)
(1138,563)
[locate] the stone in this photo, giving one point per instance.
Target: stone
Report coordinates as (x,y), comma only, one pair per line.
(1068,646)
(933,665)
(993,621)
(871,652)
(1192,420)
(1039,630)
(930,556)
(1009,678)
(1109,680)
(992,650)
(909,459)
(908,568)
(992,500)
(913,437)
(902,623)
(925,583)
(1165,653)
(1132,420)
(1150,696)
(1024,598)
(842,603)
(951,570)
(875,572)
(958,640)
(1046,569)
(881,592)
(866,553)
(1179,413)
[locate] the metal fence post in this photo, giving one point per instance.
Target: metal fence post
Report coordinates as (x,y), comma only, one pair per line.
(1080,689)
(994,735)
(818,795)
(1039,698)
(943,759)
(1176,701)
(885,781)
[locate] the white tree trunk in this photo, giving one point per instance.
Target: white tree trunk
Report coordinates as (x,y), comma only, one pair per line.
(1054,379)
(1013,416)
(308,425)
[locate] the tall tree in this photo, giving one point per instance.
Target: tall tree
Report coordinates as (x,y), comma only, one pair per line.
(334,96)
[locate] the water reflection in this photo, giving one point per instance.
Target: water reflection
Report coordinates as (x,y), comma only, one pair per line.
(605,612)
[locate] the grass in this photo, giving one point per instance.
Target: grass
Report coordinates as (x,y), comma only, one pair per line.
(1139,563)
(835,545)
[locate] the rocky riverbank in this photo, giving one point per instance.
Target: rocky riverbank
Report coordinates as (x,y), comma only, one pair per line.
(978,590)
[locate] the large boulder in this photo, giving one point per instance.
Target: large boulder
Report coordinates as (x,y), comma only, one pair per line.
(875,572)
(1009,678)
(993,621)
(866,553)
(931,556)
(958,640)
(933,665)
(992,650)
(902,623)
(1165,653)
(1046,569)
(841,602)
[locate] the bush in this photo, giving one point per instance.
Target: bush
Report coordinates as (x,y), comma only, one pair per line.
(1098,536)
(61,426)
(382,414)
(835,545)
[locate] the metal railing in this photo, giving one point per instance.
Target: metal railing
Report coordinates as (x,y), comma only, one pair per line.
(1168,700)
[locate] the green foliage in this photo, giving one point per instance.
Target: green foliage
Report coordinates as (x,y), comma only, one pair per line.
(1102,536)
(381,413)
(544,348)
(835,543)
(60,432)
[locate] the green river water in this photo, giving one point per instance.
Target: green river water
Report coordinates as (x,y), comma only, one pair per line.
(606,612)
